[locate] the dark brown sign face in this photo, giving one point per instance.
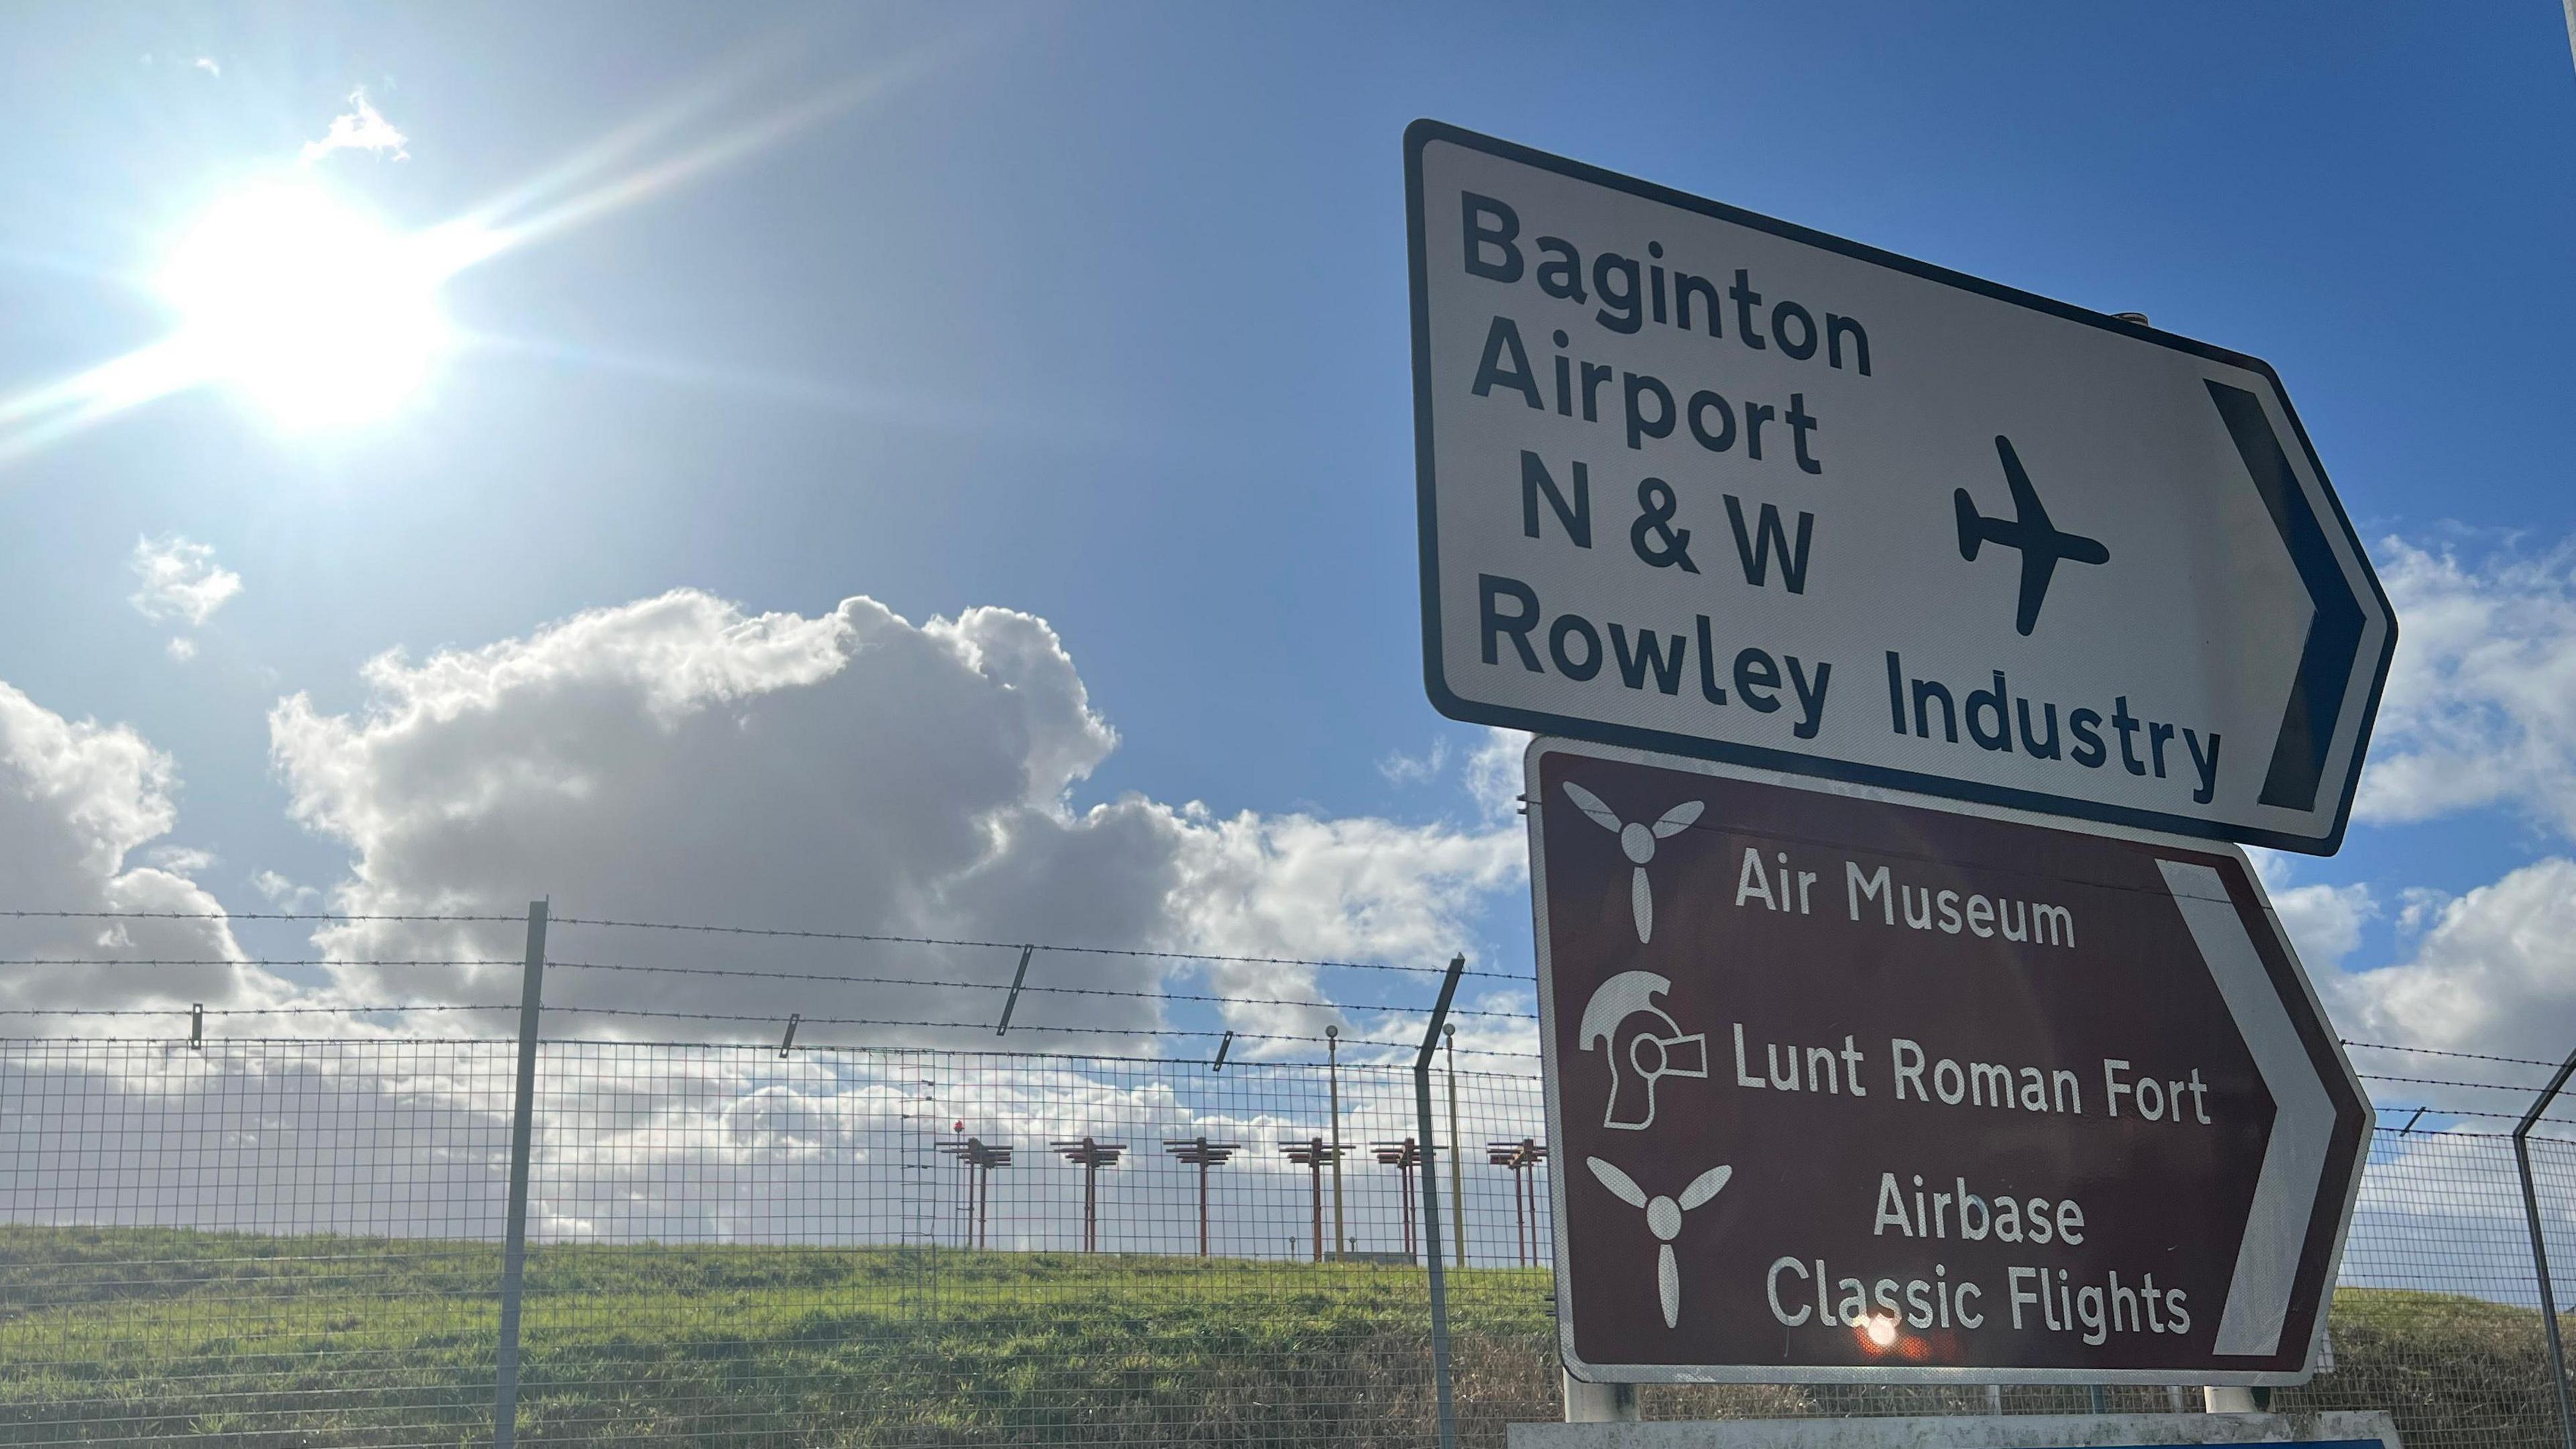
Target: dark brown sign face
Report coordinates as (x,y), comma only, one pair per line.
(1842,1087)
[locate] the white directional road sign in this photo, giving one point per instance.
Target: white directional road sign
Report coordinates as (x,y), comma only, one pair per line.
(1844,1084)
(1697,480)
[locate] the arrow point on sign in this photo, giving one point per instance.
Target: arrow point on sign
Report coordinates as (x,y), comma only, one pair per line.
(2260,1292)
(2337,621)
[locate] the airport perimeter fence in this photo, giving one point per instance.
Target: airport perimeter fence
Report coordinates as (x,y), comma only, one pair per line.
(214,1233)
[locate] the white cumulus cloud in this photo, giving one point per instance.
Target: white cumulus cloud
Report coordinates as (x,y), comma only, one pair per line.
(2325,921)
(1493,772)
(2494,972)
(78,802)
(2481,702)
(680,759)
(361,128)
(179,579)
(1400,768)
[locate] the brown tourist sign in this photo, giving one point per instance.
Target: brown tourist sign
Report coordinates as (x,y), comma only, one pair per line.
(1846,1084)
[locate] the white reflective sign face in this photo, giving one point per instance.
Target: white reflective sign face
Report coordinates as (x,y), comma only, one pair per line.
(1700,481)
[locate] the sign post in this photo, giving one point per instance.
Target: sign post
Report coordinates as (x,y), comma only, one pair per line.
(1851,1085)
(1695,480)
(2019,1431)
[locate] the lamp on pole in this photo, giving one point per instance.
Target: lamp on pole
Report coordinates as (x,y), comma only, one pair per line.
(1333,1086)
(1457,1144)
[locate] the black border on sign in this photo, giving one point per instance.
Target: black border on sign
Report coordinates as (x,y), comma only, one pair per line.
(2329,1226)
(1434,671)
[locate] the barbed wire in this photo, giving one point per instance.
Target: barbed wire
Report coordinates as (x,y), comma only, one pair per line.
(1141,1031)
(2499,1116)
(261,961)
(248,1010)
(878,938)
(237,916)
(767,1019)
(1132,951)
(149,1043)
(1129,993)
(825,977)
(2438,1082)
(2441,1052)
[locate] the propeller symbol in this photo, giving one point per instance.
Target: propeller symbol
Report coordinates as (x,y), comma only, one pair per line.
(1664,1220)
(1637,842)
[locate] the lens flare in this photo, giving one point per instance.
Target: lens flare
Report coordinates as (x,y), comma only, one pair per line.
(307,305)
(1880,1330)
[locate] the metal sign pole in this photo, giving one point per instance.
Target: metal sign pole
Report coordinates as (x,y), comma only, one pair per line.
(514,1243)
(2540,1250)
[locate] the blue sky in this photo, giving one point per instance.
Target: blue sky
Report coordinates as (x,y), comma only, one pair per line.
(1099,314)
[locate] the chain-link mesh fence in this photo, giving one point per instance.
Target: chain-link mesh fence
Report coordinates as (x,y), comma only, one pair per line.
(250,1243)
(297,1242)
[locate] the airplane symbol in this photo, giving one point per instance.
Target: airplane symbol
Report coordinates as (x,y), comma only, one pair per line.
(2041,544)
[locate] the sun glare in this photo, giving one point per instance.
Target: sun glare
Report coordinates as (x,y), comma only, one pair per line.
(309,307)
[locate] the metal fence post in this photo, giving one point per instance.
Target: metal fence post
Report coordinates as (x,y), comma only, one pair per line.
(514,1242)
(2540,1250)
(1457,1143)
(1333,1081)
(1430,1168)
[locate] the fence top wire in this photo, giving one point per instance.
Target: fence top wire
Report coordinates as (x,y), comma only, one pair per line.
(255,1010)
(767,1019)
(246,961)
(1470,1077)
(237,916)
(2439,1082)
(1026,990)
(2500,1116)
(501,1044)
(829,978)
(1139,1031)
(1137,952)
(2425,1051)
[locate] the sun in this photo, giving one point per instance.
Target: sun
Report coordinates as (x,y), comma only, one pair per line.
(307,305)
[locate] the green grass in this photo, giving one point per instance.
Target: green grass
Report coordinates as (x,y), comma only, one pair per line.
(110,1335)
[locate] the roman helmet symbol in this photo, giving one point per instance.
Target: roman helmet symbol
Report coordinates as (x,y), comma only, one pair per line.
(1637,842)
(1664,1220)
(1656,1047)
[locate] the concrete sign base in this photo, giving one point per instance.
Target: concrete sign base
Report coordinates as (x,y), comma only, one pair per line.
(2011,1431)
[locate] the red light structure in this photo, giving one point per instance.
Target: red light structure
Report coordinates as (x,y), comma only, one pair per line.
(1315,1154)
(1202,1154)
(979,1158)
(1523,1158)
(1404,1157)
(1092,1155)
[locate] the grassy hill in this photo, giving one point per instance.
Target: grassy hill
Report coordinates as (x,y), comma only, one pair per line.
(117,1334)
